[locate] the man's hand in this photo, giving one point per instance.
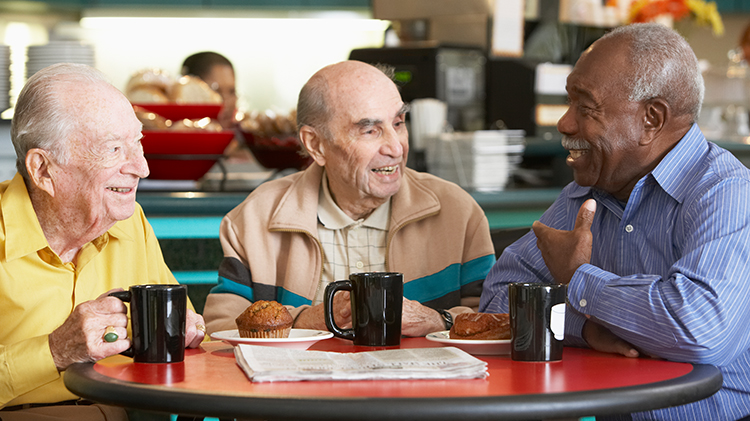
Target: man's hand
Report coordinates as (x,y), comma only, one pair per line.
(193,335)
(566,251)
(80,338)
(419,320)
(314,317)
(601,339)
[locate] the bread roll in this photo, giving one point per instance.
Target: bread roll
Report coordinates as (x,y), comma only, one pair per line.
(151,121)
(193,90)
(149,86)
(147,95)
(481,326)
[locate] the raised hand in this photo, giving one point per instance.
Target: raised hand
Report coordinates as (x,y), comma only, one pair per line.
(564,251)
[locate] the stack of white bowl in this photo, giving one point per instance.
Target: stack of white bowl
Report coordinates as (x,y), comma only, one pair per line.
(41,56)
(4,77)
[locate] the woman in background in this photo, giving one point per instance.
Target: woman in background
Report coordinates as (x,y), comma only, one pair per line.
(217,71)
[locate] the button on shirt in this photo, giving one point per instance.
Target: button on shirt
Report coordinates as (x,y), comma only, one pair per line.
(669,269)
(349,246)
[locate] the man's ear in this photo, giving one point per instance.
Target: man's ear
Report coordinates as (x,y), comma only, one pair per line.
(655,118)
(314,144)
(38,165)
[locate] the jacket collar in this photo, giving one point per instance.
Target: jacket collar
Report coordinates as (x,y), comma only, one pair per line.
(298,208)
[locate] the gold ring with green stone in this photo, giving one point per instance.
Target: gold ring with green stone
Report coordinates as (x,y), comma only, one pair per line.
(110,335)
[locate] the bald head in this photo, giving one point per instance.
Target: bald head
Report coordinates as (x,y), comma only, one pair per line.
(337,84)
(661,64)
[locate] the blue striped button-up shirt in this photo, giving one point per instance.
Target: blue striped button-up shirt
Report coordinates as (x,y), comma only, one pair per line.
(669,270)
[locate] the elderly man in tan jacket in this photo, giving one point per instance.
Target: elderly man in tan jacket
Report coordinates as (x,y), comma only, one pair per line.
(357,208)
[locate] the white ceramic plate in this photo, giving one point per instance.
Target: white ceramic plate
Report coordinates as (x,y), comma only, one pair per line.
(478,347)
(298,338)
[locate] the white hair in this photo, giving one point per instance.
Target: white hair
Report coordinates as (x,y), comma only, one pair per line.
(42,118)
(663,66)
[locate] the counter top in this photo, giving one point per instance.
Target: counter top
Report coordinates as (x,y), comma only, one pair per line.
(504,209)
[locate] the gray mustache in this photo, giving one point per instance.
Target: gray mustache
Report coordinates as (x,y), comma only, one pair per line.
(574,143)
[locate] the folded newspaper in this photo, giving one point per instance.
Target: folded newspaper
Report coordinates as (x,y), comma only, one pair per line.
(269,364)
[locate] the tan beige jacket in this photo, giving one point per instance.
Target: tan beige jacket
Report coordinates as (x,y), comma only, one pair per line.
(438,238)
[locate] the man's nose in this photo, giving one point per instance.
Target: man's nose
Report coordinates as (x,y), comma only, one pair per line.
(566,124)
(392,144)
(137,164)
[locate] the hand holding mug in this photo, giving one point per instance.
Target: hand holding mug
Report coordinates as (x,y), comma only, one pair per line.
(79,338)
(195,329)
(158,317)
(314,317)
(376,308)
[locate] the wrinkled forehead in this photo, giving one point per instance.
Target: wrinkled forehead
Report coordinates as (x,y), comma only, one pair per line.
(374,98)
(602,70)
(101,111)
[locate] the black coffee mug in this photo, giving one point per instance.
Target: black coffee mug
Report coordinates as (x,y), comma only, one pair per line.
(376,299)
(157,317)
(537,321)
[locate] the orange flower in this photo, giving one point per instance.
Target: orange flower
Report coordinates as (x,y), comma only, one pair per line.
(703,13)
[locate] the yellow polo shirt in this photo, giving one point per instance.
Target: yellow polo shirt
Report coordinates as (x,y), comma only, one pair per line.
(38,292)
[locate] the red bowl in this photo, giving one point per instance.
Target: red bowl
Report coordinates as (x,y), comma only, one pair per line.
(183,155)
(277,152)
(182,111)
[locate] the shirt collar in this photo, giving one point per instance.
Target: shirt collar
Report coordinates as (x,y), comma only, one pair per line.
(332,217)
(23,233)
(676,170)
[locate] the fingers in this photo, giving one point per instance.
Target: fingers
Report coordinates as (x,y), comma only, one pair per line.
(602,339)
(109,292)
(586,215)
(107,305)
(194,329)
(538,228)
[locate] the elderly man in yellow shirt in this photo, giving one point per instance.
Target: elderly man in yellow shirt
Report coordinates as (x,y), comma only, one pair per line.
(70,231)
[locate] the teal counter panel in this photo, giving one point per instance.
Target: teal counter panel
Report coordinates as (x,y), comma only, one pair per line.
(509,219)
(192,218)
(197,277)
(185,227)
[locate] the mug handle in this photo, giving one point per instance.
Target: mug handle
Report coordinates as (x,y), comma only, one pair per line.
(124,296)
(328,309)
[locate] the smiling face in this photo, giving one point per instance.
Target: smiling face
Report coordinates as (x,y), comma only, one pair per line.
(366,155)
(602,128)
(97,185)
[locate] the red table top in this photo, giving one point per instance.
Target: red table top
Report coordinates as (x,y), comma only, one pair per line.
(585,382)
(213,369)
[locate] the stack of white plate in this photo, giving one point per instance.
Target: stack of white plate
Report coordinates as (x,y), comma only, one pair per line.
(483,160)
(41,56)
(4,77)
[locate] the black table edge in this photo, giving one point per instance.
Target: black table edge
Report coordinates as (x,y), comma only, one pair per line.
(701,382)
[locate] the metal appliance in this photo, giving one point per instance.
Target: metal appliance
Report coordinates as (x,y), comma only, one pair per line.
(454,75)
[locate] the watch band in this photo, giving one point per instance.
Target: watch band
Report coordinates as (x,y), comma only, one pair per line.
(447,318)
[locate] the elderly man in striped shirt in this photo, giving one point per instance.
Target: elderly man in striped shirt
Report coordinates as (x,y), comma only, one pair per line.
(652,236)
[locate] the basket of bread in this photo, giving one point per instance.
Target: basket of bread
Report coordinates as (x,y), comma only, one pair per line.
(272,138)
(182,139)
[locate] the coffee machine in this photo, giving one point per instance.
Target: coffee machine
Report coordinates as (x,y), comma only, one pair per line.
(454,75)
